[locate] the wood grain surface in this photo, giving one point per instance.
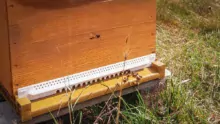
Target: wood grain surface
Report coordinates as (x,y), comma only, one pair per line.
(5,71)
(51,39)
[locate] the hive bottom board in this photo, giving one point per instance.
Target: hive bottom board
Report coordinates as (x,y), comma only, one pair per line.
(35,111)
(10,115)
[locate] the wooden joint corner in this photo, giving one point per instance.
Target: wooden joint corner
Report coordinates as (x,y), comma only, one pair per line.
(24,109)
(160,67)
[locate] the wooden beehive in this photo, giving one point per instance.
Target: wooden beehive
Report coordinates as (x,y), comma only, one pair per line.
(42,40)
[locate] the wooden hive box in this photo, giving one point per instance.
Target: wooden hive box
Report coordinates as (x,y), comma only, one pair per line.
(42,40)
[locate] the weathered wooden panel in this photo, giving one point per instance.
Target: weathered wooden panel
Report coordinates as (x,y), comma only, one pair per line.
(5,72)
(50,39)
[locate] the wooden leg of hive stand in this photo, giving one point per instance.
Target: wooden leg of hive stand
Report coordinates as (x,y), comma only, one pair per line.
(24,109)
(160,68)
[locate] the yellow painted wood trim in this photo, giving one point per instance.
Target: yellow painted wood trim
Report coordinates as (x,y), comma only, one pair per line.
(59,101)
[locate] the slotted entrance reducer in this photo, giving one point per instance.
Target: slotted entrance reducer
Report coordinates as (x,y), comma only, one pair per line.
(50,48)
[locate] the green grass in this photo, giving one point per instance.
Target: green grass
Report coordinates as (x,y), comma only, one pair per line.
(188,42)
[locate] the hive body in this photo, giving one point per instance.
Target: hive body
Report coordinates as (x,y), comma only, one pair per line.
(54,39)
(44,40)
